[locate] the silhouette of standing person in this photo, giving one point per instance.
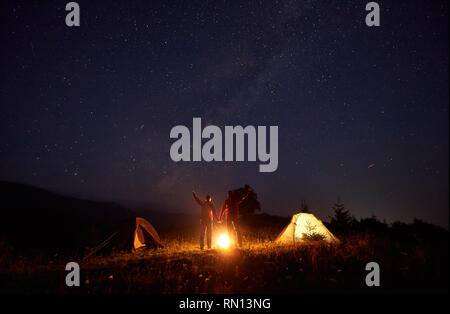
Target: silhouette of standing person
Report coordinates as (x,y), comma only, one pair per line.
(231,210)
(207,216)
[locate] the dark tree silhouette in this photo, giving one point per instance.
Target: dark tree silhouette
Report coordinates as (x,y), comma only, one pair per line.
(304,208)
(373,226)
(342,222)
(250,204)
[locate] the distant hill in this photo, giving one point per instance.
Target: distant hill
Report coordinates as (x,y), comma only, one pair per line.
(36,219)
(163,217)
(41,221)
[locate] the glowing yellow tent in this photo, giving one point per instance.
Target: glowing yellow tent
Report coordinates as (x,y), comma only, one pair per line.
(305,227)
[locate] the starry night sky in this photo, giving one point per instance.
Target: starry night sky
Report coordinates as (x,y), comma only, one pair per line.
(362,112)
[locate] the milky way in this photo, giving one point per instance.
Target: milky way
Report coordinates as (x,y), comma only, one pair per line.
(362,112)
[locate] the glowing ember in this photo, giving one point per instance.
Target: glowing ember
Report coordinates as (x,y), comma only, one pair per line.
(223,240)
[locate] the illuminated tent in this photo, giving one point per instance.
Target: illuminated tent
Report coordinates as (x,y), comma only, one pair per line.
(305,227)
(132,235)
(145,235)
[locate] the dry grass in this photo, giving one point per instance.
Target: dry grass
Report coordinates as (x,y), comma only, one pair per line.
(259,267)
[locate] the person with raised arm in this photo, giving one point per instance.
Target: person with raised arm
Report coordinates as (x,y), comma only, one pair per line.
(207,217)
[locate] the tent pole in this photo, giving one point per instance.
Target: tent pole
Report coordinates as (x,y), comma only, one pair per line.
(100,246)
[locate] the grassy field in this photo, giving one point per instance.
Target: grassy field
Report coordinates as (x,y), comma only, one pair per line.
(259,267)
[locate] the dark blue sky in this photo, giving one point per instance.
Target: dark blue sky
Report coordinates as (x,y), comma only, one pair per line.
(87,111)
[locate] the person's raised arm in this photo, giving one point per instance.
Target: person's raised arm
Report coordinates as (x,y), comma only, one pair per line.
(196,198)
(222,210)
(246,195)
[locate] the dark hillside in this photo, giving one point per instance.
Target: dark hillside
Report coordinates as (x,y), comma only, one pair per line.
(34,219)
